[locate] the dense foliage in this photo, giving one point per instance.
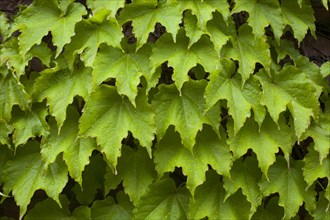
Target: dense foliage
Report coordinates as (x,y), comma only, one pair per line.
(168,109)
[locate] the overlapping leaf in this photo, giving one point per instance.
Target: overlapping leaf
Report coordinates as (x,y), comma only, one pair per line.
(113,6)
(110,121)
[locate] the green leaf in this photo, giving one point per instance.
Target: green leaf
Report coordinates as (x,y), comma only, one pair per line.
(209,201)
(325,69)
(248,50)
(111,209)
(287,180)
(204,9)
(11,57)
(4,26)
(224,86)
(110,121)
(290,88)
(59,86)
(5,156)
(29,124)
(163,201)
(322,210)
(262,13)
(111,179)
(145,16)
(11,93)
(220,30)
(182,58)
(25,174)
(264,141)
(183,110)
(170,153)
(245,175)
(90,34)
(126,67)
(319,131)
(192,30)
(300,19)
(92,181)
(98,5)
(5,130)
(76,151)
(41,17)
(137,170)
(313,169)
(271,211)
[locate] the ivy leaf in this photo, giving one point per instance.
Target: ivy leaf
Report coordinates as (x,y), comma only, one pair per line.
(90,34)
(262,13)
(288,181)
(325,69)
(184,111)
(264,141)
(204,9)
(319,131)
(76,152)
(49,209)
(41,17)
(271,211)
(4,26)
(5,156)
(163,201)
(113,6)
(312,169)
(290,88)
(209,201)
(145,16)
(29,124)
(110,121)
(137,171)
(220,30)
(170,153)
(322,210)
(59,86)
(126,67)
(11,57)
(248,50)
(11,93)
(223,86)
(110,209)
(192,30)
(182,58)
(111,179)
(25,174)
(245,175)
(300,19)
(5,130)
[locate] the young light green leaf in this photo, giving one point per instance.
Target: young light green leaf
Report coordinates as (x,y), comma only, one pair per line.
(11,93)
(43,16)
(137,170)
(183,110)
(203,9)
(209,201)
(145,16)
(264,141)
(170,153)
(192,30)
(290,88)
(126,67)
(319,131)
(98,5)
(76,151)
(262,13)
(163,201)
(25,174)
(325,69)
(59,86)
(248,50)
(110,121)
(270,211)
(90,34)
(224,86)
(182,58)
(112,209)
(245,175)
(300,19)
(287,180)
(29,124)
(312,169)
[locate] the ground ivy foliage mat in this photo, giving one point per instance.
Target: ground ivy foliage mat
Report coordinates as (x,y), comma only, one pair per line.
(168,109)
